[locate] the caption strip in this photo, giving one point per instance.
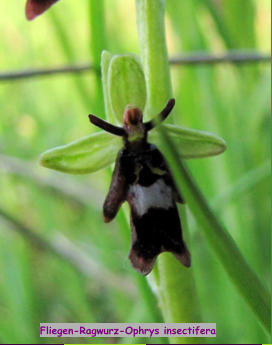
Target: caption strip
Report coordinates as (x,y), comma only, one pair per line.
(131,330)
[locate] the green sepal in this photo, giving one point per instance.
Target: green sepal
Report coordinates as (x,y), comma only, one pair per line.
(105,62)
(98,150)
(85,155)
(190,143)
(126,84)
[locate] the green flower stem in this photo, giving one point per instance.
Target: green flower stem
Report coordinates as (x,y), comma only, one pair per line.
(175,284)
(153,52)
(243,277)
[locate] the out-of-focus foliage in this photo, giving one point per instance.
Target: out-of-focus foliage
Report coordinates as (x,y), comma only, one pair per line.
(37,114)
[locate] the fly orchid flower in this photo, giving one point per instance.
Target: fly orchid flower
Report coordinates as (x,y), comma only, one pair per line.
(141,175)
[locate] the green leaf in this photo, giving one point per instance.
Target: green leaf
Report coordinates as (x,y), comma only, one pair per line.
(83,156)
(126,84)
(191,143)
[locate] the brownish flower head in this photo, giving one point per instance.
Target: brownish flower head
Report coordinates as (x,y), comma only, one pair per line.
(36,7)
(132,116)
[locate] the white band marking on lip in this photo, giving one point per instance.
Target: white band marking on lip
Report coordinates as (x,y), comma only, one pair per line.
(158,195)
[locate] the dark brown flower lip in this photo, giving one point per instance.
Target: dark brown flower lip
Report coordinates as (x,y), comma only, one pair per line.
(35,8)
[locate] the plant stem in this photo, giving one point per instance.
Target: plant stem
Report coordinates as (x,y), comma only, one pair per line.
(153,52)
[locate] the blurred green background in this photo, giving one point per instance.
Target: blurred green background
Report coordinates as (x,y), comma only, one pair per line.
(80,271)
